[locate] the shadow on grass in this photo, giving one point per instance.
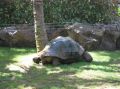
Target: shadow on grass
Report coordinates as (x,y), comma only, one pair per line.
(8,55)
(115,55)
(74,76)
(64,79)
(105,66)
(42,79)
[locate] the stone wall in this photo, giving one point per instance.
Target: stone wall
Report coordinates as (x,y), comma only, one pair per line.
(23,35)
(92,37)
(17,36)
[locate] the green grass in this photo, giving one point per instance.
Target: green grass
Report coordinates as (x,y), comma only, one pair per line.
(119,11)
(17,71)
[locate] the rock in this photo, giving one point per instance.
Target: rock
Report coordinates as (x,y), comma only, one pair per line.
(56,33)
(11,36)
(18,34)
(91,37)
(96,36)
(86,35)
(118,43)
(5,38)
(23,38)
(109,40)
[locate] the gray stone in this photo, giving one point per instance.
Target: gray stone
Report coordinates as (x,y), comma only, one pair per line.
(16,36)
(118,43)
(96,36)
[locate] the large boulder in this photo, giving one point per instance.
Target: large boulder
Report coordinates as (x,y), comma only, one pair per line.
(118,43)
(55,30)
(23,38)
(58,32)
(88,36)
(23,35)
(97,36)
(13,36)
(5,36)
(109,40)
(91,37)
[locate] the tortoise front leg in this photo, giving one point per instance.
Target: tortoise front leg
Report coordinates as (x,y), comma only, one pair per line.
(36,60)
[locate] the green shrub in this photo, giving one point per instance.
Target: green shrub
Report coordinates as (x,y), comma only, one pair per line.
(15,12)
(90,11)
(59,11)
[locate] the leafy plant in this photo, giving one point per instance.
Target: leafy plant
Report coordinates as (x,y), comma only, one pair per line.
(91,11)
(16,12)
(59,11)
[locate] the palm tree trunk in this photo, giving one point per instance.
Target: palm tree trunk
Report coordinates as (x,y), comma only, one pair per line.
(40,31)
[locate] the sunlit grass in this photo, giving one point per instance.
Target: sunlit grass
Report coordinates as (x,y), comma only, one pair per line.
(119,11)
(17,71)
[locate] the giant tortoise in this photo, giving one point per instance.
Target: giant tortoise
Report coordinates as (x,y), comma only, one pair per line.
(62,50)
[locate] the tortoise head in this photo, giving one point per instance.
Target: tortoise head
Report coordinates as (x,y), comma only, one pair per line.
(36,60)
(87,57)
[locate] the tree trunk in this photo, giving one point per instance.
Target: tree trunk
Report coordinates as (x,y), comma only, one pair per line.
(40,31)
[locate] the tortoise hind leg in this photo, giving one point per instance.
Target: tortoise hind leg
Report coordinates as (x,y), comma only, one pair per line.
(56,61)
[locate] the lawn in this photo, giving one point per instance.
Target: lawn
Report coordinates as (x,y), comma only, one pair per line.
(17,71)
